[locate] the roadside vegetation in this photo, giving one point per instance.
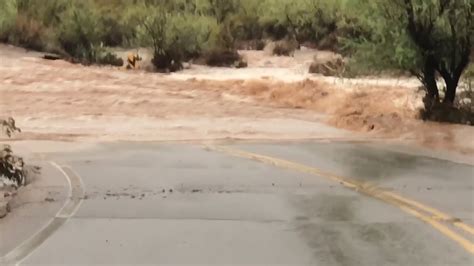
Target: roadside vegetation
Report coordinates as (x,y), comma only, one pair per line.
(431,40)
(12,173)
(176,30)
(11,166)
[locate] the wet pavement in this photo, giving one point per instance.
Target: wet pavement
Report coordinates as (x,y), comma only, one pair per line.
(148,203)
(436,182)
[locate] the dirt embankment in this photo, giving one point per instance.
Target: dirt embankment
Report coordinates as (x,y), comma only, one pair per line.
(58,100)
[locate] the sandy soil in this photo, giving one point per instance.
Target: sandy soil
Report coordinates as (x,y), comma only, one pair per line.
(274,98)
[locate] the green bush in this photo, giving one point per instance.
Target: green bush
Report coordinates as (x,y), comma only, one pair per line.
(176,37)
(153,31)
(36,22)
(45,12)
(80,32)
(427,39)
(194,34)
(28,32)
(108,58)
(176,29)
(118,27)
(245,21)
(8,13)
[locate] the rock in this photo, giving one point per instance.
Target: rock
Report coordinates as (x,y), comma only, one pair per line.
(241,64)
(49,199)
(52,57)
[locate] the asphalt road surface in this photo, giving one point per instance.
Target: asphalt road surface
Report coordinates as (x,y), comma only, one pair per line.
(255,204)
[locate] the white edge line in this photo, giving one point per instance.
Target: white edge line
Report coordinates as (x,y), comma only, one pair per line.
(65,203)
(81,199)
(68,200)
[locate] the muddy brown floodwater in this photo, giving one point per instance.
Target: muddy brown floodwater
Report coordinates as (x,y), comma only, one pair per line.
(273,99)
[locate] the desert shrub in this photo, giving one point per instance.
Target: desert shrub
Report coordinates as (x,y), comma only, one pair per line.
(28,32)
(153,31)
(108,58)
(442,112)
(224,58)
(221,50)
(246,24)
(114,33)
(176,37)
(285,48)
(190,29)
(221,10)
(238,20)
(8,13)
(428,39)
(195,34)
(259,45)
(295,19)
(321,22)
(80,32)
(118,28)
(45,12)
(35,22)
(72,28)
(11,167)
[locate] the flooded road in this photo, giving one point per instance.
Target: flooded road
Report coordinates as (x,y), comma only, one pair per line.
(151,203)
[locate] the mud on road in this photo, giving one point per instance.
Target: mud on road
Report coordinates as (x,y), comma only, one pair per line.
(61,101)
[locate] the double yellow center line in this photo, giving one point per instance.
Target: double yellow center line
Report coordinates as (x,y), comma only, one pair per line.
(436,218)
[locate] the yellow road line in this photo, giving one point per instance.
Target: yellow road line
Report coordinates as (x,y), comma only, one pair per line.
(466,244)
(464,227)
(409,206)
(437,214)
